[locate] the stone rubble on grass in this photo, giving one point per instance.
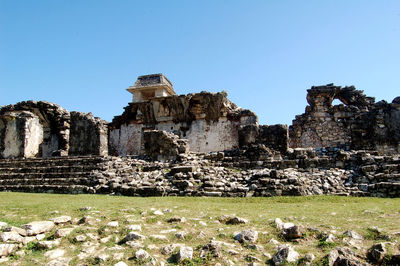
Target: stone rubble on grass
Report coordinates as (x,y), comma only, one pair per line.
(134,227)
(20,231)
(181,235)
(113,224)
(3,225)
(293,232)
(55,253)
(7,249)
(62,261)
(63,232)
(176,219)
(62,219)
(38,227)
(247,236)
(281,225)
(80,238)
(285,253)
(227,219)
(131,236)
(377,252)
(213,247)
(343,256)
(142,255)
(11,237)
(48,244)
(120,263)
(158,213)
(185,252)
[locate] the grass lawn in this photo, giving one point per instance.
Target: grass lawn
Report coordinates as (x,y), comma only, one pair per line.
(324,213)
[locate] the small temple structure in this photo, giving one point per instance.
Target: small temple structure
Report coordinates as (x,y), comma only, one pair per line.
(151,86)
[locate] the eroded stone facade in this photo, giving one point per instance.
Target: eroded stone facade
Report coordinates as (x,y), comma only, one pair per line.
(209,121)
(42,129)
(358,123)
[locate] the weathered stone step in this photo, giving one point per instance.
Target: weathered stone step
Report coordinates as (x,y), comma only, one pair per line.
(52,169)
(74,189)
(31,176)
(46,181)
(55,161)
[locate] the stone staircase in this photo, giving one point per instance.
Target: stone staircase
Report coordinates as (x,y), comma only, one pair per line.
(51,175)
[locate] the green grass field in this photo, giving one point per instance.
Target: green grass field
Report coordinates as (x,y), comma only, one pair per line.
(324,213)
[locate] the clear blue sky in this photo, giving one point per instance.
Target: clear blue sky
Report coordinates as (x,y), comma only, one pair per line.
(82,55)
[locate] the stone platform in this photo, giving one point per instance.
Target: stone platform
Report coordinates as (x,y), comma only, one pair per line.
(227,174)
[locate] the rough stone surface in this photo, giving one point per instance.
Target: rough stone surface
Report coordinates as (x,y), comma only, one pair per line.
(185,253)
(359,122)
(285,254)
(38,227)
(89,135)
(161,145)
(248,236)
(7,249)
(377,252)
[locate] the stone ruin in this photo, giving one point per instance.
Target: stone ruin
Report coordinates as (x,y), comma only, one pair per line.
(358,123)
(203,144)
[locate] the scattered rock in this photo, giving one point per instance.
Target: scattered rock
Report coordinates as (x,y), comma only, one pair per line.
(294,232)
(38,227)
(167,250)
(285,253)
(55,253)
(59,262)
(142,255)
(281,225)
(3,225)
(87,208)
(232,220)
(331,239)
(61,219)
(7,249)
(113,224)
(177,220)
(353,234)
(213,247)
(343,256)
(131,236)
(11,237)
(134,227)
(120,263)
(377,252)
(80,238)
(20,231)
(248,236)
(48,244)
(181,235)
(158,213)
(63,232)
(185,253)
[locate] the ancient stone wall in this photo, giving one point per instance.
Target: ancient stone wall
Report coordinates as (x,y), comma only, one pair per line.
(88,135)
(209,121)
(47,119)
(358,123)
(41,129)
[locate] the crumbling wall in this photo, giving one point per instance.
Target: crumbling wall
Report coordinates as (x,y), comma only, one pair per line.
(209,121)
(88,135)
(51,121)
(358,123)
(162,145)
(274,137)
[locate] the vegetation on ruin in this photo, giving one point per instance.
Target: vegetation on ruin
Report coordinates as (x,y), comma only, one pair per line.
(319,214)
